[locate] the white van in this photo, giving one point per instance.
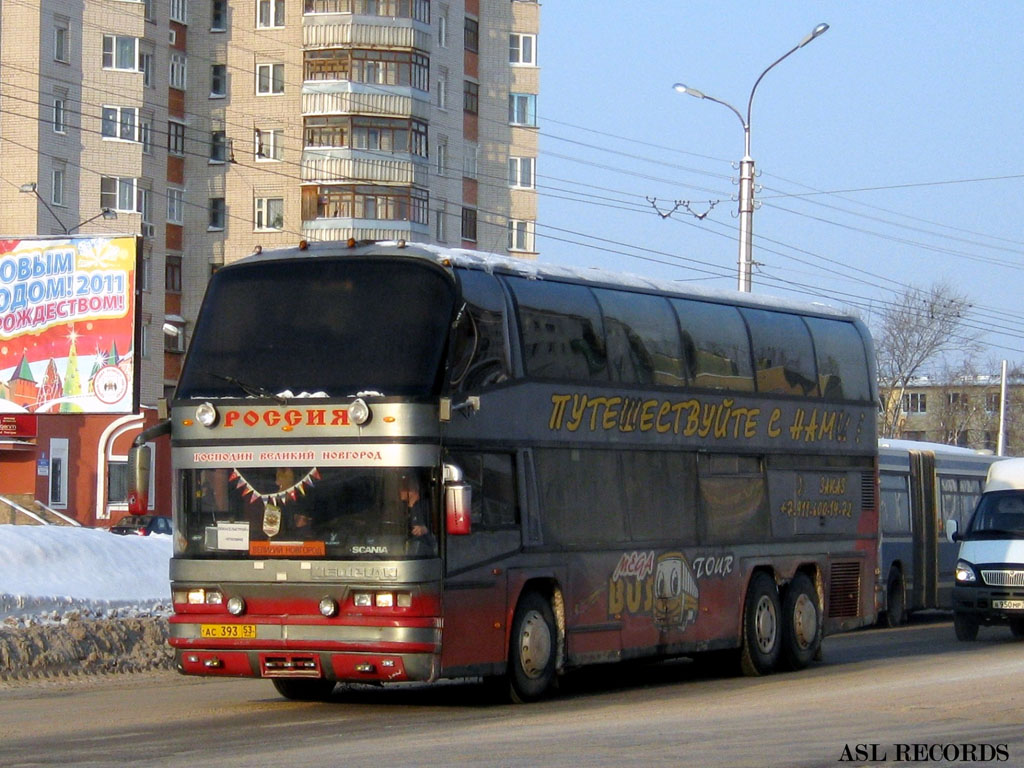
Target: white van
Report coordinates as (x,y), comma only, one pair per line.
(988,583)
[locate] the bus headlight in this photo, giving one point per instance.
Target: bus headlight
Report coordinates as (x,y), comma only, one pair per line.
(236,606)
(206,414)
(359,412)
(328,607)
(964,572)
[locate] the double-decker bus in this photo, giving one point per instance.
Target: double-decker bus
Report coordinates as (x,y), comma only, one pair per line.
(405,463)
(922,486)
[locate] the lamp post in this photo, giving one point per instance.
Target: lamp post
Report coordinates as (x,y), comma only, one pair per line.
(746,192)
(31,188)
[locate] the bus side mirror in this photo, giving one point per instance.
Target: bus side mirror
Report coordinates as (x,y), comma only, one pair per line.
(458,501)
(138,479)
(951,532)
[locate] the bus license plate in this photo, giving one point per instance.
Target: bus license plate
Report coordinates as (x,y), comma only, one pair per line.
(1008,605)
(228,630)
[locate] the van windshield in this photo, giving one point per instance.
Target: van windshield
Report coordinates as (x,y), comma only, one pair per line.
(1000,514)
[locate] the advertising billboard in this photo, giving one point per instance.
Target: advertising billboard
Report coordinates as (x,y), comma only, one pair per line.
(67,325)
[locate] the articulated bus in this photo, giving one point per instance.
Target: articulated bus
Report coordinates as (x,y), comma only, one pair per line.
(405,463)
(921,487)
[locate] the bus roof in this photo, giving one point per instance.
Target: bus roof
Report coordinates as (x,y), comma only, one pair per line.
(497,263)
(1006,475)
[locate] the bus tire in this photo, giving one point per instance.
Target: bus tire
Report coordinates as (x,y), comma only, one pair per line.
(801,623)
(895,599)
(762,638)
(532,649)
(304,689)
(965,626)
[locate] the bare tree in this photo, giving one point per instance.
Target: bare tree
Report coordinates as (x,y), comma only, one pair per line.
(919,326)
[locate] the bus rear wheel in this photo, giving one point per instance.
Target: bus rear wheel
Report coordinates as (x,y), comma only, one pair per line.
(533,649)
(895,599)
(304,689)
(762,642)
(801,623)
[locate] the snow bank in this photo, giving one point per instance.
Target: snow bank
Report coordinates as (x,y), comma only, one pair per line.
(48,570)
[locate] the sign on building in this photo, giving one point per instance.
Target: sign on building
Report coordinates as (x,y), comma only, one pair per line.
(67,325)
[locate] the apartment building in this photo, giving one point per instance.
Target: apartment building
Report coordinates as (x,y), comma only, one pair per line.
(214,127)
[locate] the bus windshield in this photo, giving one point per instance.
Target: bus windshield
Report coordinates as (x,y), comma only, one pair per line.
(329,512)
(328,327)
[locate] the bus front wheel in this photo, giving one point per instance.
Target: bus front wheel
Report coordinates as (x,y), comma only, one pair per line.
(762,642)
(304,689)
(801,623)
(532,652)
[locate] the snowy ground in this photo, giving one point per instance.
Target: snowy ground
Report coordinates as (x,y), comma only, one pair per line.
(76,600)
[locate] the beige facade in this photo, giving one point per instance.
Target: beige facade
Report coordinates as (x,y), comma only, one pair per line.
(216,127)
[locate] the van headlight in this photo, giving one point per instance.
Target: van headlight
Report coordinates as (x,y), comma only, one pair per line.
(964,573)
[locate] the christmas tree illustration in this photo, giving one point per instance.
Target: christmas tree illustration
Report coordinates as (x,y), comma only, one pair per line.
(72,382)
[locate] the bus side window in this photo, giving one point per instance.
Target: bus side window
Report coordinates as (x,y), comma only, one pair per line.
(716,345)
(842,363)
(783,353)
(561,331)
(479,356)
(643,339)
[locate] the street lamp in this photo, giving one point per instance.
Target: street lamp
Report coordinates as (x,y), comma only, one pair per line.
(746,196)
(31,188)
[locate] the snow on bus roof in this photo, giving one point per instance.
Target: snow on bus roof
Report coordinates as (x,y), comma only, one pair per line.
(494,262)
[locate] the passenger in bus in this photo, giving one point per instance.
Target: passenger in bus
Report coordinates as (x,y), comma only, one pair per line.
(418,507)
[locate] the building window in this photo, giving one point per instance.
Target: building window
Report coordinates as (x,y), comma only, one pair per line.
(268,144)
(176,138)
(915,402)
(175,206)
(118,193)
(121,53)
(469,161)
(520,235)
(418,10)
(219,16)
(442,27)
(368,66)
(442,88)
(956,399)
(146,65)
(440,229)
(120,123)
(218,81)
(471,97)
(269,13)
(522,109)
(178,71)
(383,134)
(218,213)
(469,224)
(269,212)
(59,115)
(145,207)
(218,147)
(522,50)
(472,35)
(179,11)
(146,132)
(172,274)
(992,402)
(520,172)
(269,79)
(441,157)
(369,202)
(62,44)
(57,186)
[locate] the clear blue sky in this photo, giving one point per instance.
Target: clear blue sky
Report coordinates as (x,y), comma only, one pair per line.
(909,115)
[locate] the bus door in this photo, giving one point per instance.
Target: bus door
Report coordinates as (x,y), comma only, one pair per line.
(475,593)
(924,526)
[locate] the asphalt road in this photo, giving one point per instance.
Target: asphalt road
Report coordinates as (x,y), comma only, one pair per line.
(874,698)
